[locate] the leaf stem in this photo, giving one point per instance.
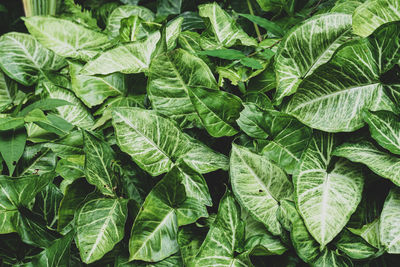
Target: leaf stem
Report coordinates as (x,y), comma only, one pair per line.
(255,24)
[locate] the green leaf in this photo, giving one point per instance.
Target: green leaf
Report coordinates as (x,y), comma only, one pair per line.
(47,202)
(317,47)
(138,133)
(305,245)
(76,114)
(190,240)
(270,26)
(389,222)
(372,14)
(133,57)
(218,110)
(330,258)
(44,104)
(370,233)
(66,38)
(99,227)
(168,7)
(337,93)
(223,27)
(259,185)
(12,144)
(173,31)
(23,58)
(223,238)
(36,159)
(98,164)
(379,162)
(171,76)
(154,232)
(289,139)
(253,121)
(251,63)
(93,90)
(7,217)
(114,20)
(230,54)
(9,123)
(385,129)
(57,254)
(75,195)
(326,197)
(354,246)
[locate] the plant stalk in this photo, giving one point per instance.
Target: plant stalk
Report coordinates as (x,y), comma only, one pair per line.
(255,24)
(40,7)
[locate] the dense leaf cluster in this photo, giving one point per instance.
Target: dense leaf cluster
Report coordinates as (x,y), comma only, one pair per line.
(197,133)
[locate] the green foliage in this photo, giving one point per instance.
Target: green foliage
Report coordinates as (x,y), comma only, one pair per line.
(197,133)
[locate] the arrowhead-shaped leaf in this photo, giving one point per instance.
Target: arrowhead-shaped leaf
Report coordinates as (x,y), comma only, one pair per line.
(100,225)
(23,58)
(326,198)
(390,222)
(259,185)
(65,37)
(317,47)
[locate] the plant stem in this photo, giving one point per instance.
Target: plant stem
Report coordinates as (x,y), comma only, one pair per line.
(255,24)
(40,7)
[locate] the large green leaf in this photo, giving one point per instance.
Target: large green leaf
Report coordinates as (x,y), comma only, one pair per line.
(100,225)
(127,58)
(327,193)
(93,90)
(390,223)
(224,28)
(382,163)
(138,133)
(171,76)
(373,13)
(154,232)
(98,164)
(218,110)
(385,129)
(259,185)
(36,159)
(12,144)
(331,99)
(154,142)
(23,58)
(114,20)
(56,255)
(224,237)
(76,193)
(354,246)
(20,191)
(317,47)
(76,114)
(65,37)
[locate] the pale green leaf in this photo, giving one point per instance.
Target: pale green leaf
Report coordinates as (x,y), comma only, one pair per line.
(23,58)
(114,20)
(373,13)
(76,114)
(385,129)
(218,110)
(259,185)
(173,31)
(224,27)
(326,198)
(8,90)
(318,38)
(390,222)
(133,57)
(171,76)
(381,163)
(332,98)
(65,37)
(93,90)
(225,234)
(98,164)
(100,226)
